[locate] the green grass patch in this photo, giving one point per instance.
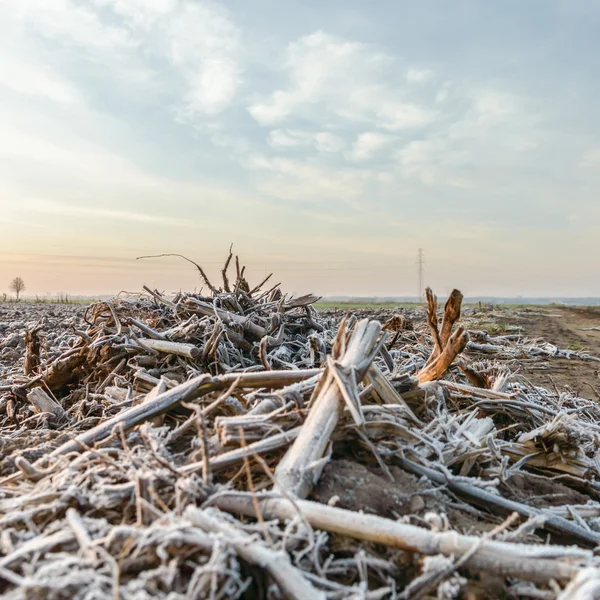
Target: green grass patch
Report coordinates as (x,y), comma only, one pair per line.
(365,305)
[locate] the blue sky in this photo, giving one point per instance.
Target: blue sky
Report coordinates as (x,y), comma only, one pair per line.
(327,141)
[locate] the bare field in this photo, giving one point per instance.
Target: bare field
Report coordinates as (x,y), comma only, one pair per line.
(132,477)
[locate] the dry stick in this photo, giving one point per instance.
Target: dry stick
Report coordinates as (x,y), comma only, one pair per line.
(436,369)
(212,288)
(259,286)
(42,403)
(476,378)
(480,393)
(111,376)
(417,589)
(37,545)
(160,298)
(451,315)
(262,353)
(185,392)
(156,335)
(433,324)
(495,503)
(32,350)
(294,472)
(253,490)
(234,457)
(177,348)
(387,392)
(288,577)
(532,563)
(224,271)
(209,310)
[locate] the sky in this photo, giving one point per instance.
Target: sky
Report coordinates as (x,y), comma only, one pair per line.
(328,141)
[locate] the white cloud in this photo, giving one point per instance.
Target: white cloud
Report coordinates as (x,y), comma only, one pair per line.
(323,141)
(330,78)
(44,206)
(328,142)
(31,78)
(397,116)
(69,23)
(368,144)
(414,75)
(299,180)
(194,46)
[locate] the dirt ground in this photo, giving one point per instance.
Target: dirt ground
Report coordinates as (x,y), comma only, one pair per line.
(568,328)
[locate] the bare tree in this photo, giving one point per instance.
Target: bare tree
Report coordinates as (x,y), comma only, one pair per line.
(17,285)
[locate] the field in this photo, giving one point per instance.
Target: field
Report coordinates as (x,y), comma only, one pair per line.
(193,447)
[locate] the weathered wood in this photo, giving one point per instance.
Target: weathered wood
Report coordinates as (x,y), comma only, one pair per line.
(289,578)
(63,370)
(296,473)
(436,369)
(190,390)
(234,457)
(498,504)
(176,348)
(539,563)
(451,315)
(42,403)
(32,350)
(207,309)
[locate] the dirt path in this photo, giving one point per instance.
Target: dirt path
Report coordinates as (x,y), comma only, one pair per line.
(570,328)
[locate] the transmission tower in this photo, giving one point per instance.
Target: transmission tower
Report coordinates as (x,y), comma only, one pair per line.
(420,263)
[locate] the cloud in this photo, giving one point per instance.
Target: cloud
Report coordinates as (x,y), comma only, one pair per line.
(418,76)
(330,78)
(323,141)
(198,39)
(32,79)
(291,179)
(396,116)
(73,210)
(368,144)
(194,47)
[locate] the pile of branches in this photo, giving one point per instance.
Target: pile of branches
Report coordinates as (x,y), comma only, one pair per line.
(174,448)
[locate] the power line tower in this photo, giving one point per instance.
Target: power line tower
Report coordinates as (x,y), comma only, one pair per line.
(420,263)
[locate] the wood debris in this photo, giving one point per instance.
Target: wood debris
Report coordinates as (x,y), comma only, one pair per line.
(243,444)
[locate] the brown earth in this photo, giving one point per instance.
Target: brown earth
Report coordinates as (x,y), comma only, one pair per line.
(567,328)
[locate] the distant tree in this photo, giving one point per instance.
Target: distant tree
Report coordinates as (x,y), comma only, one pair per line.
(17,285)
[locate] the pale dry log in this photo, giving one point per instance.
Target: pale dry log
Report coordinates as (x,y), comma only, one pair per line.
(43,403)
(436,369)
(296,473)
(63,370)
(176,348)
(209,310)
(288,577)
(156,335)
(498,504)
(37,545)
(234,457)
(539,563)
(185,392)
(584,586)
(300,302)
(478,392)
(386,391)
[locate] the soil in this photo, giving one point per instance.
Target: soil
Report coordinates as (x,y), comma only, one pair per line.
(567,328)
